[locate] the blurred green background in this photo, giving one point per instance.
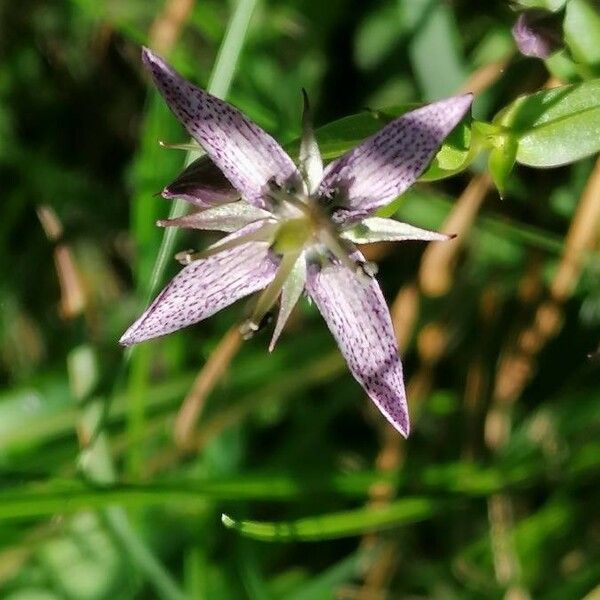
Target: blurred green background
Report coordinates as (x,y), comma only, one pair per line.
(115,468)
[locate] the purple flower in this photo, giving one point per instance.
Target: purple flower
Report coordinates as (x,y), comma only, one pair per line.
(295,228)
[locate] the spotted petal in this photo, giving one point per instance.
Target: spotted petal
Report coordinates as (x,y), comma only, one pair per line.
(228,217)
(203,288)
(247,155)
(377,229)
(357,316)
(201,184)
(387,163)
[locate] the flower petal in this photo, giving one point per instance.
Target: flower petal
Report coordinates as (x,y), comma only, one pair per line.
(357,316)
(290,294)
(248,156)
(377,229)
(387,163)
(203,288)
(311,164)
(202,184)
(227,217)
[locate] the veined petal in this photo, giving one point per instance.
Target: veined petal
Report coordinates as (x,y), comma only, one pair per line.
(227,217)
(378,229)
(203,184)
(248,156)
(387,163)
(357,316)
(290,294)
(203,288)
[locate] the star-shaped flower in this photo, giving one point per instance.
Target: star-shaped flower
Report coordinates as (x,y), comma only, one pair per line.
(294,229)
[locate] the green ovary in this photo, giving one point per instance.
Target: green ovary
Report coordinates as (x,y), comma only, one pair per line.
(292,235)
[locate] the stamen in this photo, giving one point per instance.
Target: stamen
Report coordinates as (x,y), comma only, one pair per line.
(265,233)
(185,257)
(368,268)
(248,329)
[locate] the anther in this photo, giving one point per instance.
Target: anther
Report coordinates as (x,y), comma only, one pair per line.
(366,269)
(248,329)
(185,257)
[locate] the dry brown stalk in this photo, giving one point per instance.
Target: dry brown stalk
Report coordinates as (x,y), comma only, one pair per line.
(484,77)
(72,295)
(519,362)
(205,381)
(167,26)
(437,265)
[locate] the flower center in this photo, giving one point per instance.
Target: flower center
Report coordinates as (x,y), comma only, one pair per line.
(292,235)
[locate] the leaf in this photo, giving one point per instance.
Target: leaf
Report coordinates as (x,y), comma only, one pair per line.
(435,50)
(501,161)
(340,524)
(555,127)
(454,156)
(552,5)
(378,35)
(582,32)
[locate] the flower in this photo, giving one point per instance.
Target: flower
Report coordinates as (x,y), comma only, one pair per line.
(294,229)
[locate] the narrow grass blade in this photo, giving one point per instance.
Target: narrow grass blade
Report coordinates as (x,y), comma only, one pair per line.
(341,524)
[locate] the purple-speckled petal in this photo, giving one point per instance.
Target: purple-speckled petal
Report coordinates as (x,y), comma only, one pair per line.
(202,184)
(203,288)
(227,217)
(357,316)
(247,155)
(387,163)
(537,33)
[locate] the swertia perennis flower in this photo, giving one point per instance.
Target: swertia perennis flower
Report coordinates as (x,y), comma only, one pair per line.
(294,229)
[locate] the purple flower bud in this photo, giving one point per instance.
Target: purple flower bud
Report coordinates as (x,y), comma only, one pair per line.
(537,33)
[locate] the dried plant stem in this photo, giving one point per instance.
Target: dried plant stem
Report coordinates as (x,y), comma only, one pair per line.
(166,28)
(518,365)
(431,344)
(210,374)
(72,294)
(518,362)
(437,266)
(484,77)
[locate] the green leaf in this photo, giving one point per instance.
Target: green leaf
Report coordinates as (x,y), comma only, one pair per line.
(553,5)
(378,35)
(555,127)
(455,155)
(502,160)
(435,50)
(582,32)
(340,524)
